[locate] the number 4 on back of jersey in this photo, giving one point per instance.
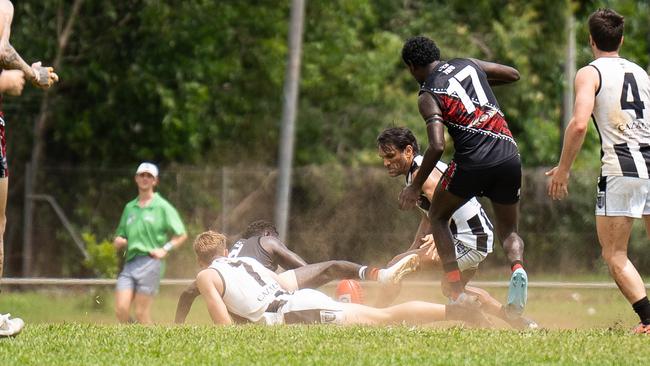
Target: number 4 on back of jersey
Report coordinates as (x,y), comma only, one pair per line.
(629,83)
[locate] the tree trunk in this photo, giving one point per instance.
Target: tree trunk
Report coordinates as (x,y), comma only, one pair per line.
(41,125)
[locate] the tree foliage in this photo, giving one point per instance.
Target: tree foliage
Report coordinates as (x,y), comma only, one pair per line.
(200,82)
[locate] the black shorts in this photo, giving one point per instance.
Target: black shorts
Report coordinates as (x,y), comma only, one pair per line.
(501,183)
(4,168)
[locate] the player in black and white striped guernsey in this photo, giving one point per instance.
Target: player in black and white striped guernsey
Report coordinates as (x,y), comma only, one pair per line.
(469,224)
(471,229)
(616,93)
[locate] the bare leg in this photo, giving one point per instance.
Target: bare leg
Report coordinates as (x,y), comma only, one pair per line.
(4,184)
(123,304)
(414,312)
(318,274)
(614,235)
(442,208)
(142,304)
(507,221)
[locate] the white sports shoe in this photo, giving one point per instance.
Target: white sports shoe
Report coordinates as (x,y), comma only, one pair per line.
(393,274)
(10,327)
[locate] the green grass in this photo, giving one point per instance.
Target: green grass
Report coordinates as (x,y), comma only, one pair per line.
(552,308)
(86,344)
(66,327)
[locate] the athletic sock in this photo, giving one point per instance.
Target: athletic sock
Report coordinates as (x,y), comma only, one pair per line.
(368,273)
(452,275)
(362,272)
(642,308)
(515,265)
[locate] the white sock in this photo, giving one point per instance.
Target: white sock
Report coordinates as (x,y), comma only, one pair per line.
(362,272)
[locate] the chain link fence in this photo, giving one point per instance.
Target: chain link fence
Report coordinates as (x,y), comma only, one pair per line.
(337,212)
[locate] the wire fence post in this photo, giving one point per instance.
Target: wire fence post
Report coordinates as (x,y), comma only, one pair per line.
(225,182)
(28,221)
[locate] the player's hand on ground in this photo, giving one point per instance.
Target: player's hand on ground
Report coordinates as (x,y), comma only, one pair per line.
(431,249)
(159,253)
(558,184)
(43,77)
(12,82)
(408,197)
(427,241)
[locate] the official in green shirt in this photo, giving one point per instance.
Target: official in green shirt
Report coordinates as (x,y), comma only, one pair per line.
(149,229)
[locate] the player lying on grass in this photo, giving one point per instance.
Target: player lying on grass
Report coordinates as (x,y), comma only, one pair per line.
(471,229)
(244,287)
(260,241)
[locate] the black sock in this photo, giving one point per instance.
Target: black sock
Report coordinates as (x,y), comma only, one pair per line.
(642,308)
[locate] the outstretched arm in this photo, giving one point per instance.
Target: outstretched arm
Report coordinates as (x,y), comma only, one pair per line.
(586,84)
(432,115)
(43,77)
(185,302)
(211,287)
(424,229)
(497,74)
(281,254)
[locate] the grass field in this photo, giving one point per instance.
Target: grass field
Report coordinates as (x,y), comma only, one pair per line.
(77,327)
(87,344)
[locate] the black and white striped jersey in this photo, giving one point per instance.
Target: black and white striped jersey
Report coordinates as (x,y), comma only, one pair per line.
(469,224)
(622,117)
(248,289)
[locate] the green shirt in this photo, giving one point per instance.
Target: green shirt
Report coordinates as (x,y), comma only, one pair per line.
(148,228)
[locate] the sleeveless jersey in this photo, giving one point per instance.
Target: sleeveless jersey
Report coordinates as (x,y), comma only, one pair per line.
(252,248)
(247,289)
(469,223)
(622,117)
(471,113)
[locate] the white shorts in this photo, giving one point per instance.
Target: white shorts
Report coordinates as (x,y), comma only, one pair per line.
(310,306)
(623,196)
(468,258)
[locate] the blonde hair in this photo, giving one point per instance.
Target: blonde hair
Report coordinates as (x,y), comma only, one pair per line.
(208,245)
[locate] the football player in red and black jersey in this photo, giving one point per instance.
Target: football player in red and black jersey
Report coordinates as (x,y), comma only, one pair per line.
(486,162)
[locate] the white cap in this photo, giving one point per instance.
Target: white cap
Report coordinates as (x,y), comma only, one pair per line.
(147,168)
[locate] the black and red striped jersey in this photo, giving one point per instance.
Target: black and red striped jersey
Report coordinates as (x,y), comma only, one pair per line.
(471,113)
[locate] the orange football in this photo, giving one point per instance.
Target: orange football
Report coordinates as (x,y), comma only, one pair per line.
(349,291)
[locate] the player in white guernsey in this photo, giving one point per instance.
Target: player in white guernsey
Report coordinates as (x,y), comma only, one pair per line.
(616,93)
(471,229)
(247,289)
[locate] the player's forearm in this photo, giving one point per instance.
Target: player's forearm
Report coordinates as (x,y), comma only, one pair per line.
(574,137)
(11,60)
(498,74)
(423,229)
(429,160)
(218,316)
(185,304)
(177,240)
